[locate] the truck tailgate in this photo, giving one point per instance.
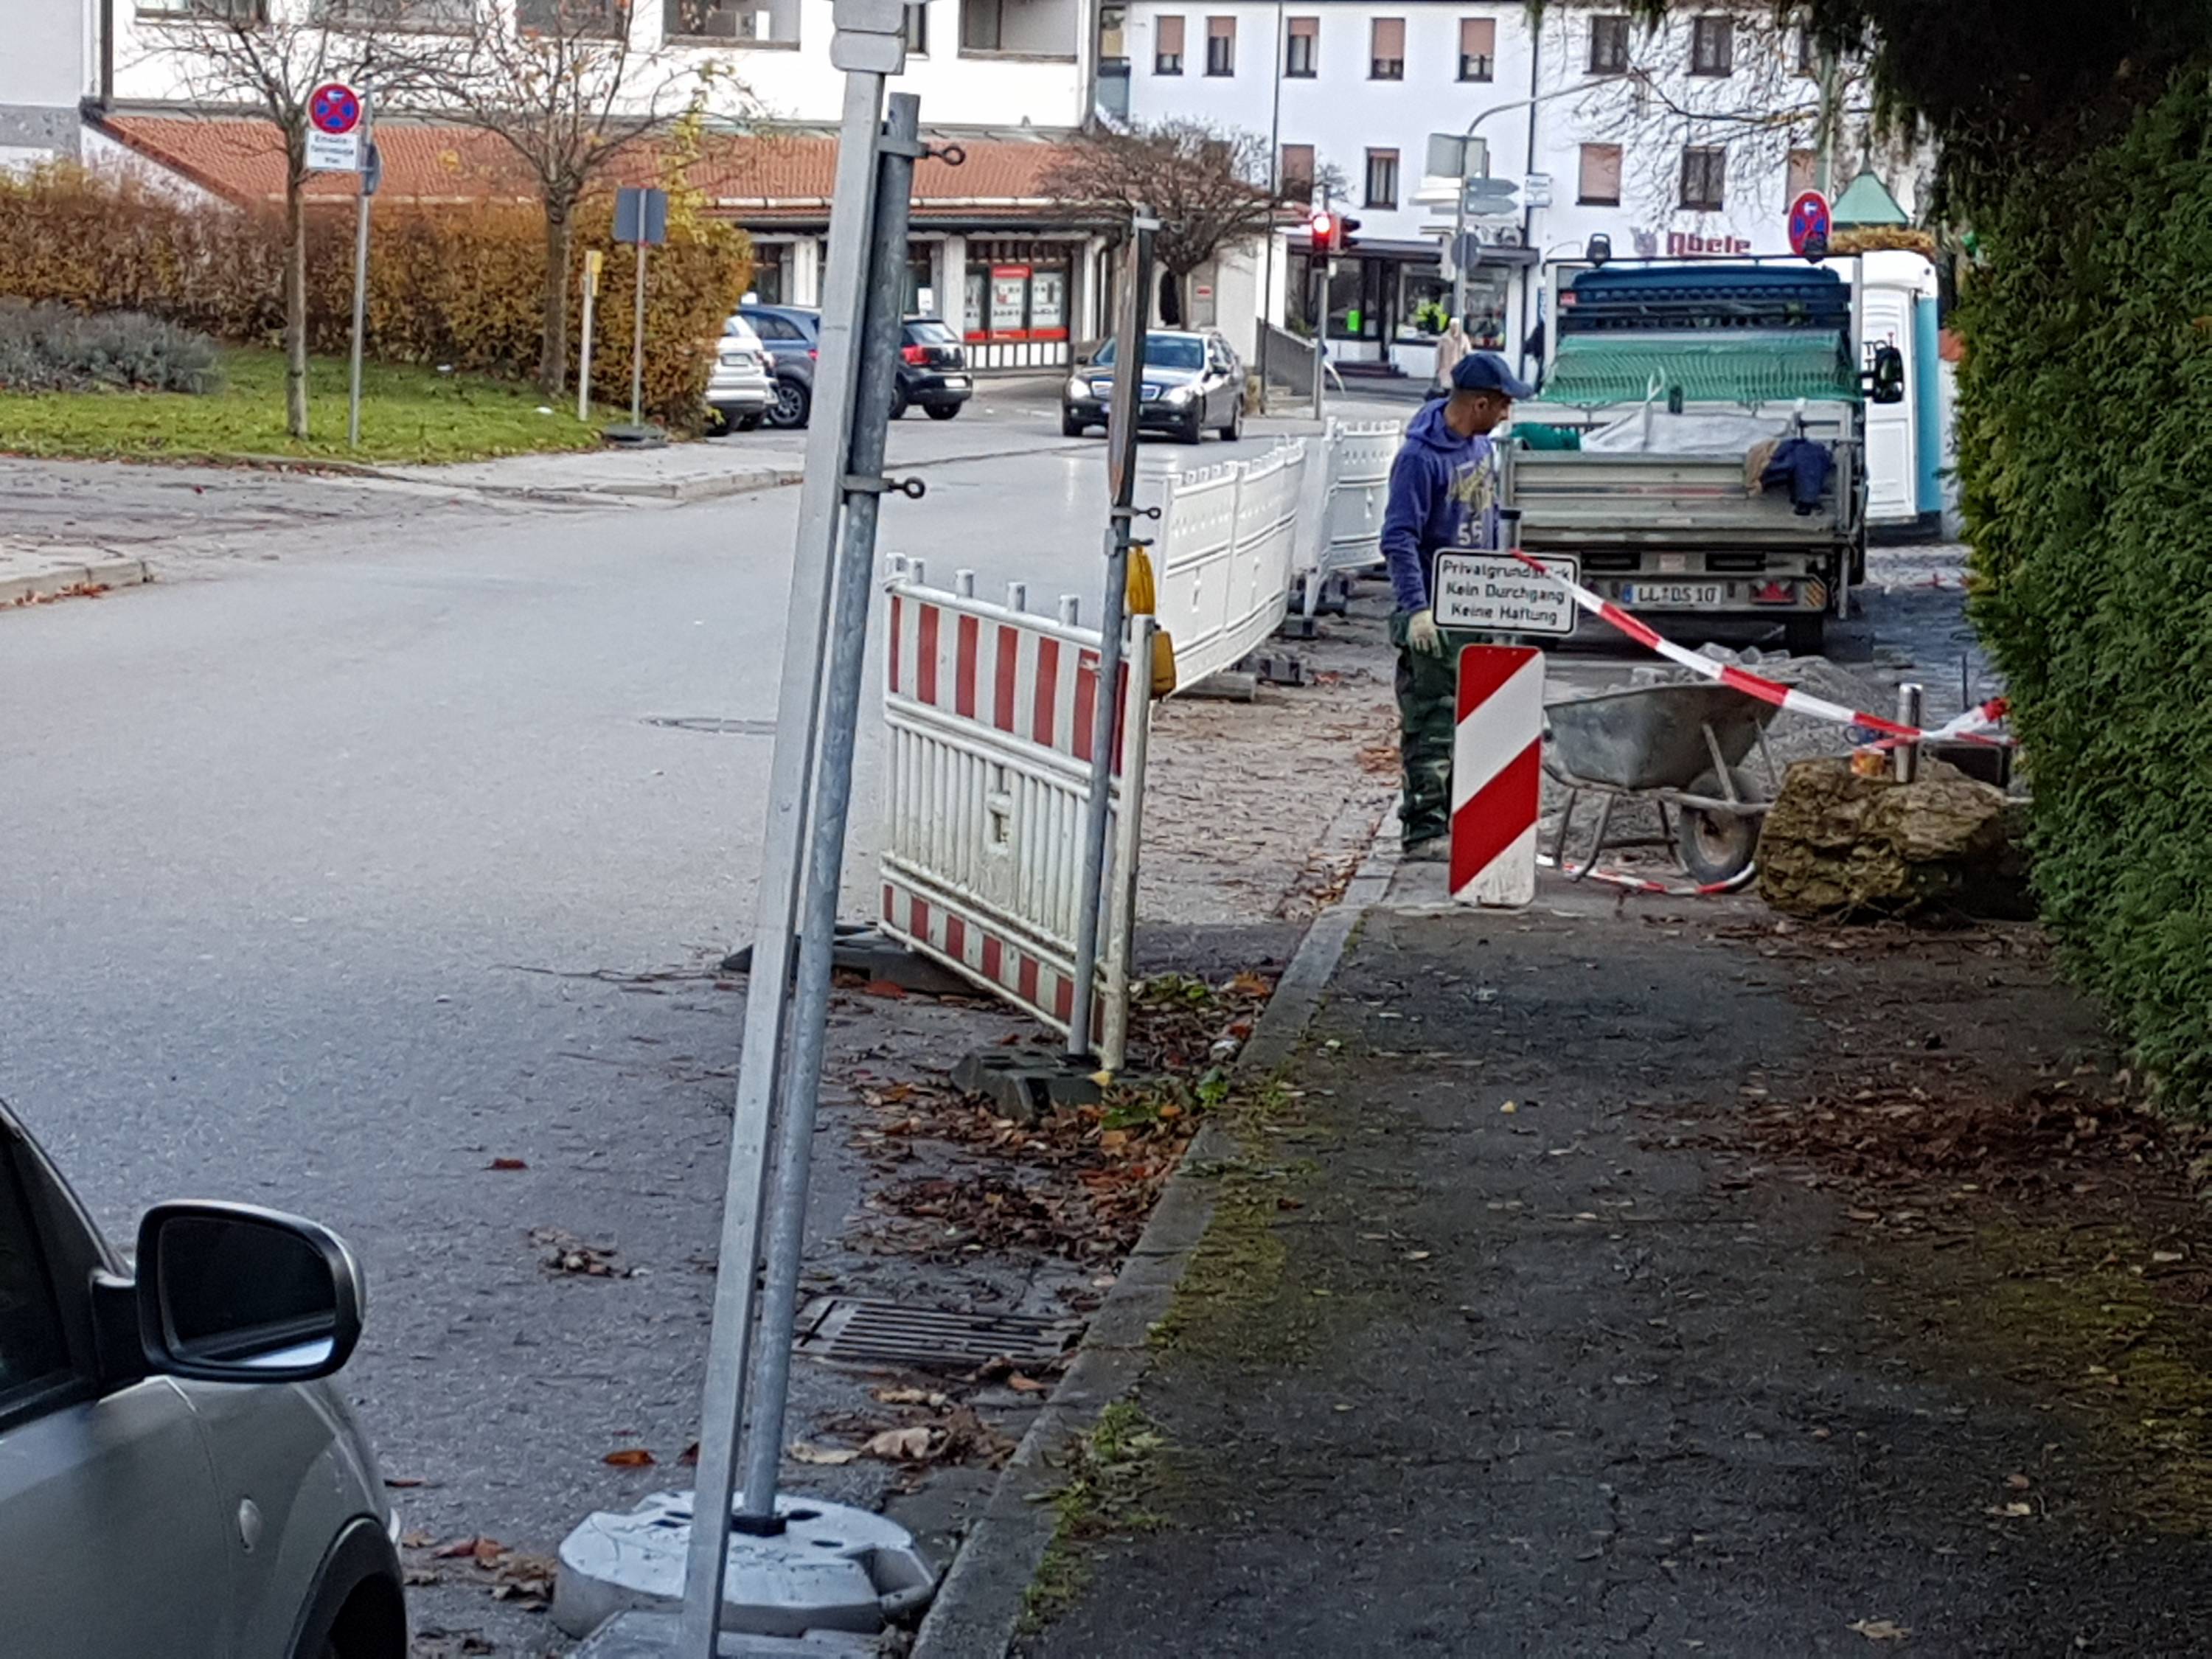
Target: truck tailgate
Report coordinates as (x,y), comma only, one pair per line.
(1572,501)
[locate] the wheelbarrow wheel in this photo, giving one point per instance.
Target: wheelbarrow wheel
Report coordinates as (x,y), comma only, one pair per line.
(1718,845)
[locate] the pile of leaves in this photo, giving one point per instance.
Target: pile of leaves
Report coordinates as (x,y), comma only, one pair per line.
(1079,1182)
(58,348)
(917,1429)
(507,1575)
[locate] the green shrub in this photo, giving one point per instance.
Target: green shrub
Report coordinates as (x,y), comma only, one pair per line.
(52,348)
(452,286)
(2086,457)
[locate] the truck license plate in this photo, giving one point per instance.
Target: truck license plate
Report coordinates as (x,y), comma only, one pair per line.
(1673,596)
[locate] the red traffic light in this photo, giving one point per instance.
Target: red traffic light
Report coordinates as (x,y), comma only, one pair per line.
(1322,227)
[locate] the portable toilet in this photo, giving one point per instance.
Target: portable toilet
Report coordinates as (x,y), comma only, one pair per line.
(1904,440)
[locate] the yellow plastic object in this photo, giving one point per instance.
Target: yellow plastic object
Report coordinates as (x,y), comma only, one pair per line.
(1144,601)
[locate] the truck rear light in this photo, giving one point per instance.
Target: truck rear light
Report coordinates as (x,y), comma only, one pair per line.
(1773,593)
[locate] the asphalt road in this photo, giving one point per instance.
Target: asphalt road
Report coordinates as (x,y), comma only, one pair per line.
(329,860)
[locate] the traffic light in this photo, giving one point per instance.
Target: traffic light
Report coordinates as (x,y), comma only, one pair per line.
(1321,228)
(1348,236)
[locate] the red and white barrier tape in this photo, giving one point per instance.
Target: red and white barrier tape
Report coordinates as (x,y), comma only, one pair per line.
(1628,883)
(1968,727)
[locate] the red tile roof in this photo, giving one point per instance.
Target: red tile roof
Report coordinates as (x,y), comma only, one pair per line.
(751,176)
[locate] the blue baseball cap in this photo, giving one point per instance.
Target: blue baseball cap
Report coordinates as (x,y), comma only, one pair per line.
(1486,371)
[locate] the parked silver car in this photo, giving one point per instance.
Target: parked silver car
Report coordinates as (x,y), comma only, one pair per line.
(175,1477)
(739,387)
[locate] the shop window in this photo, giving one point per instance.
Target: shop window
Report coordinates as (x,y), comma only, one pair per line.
(1302,50)
(1478,48)
(1712,45)
(1705,178)
(1608,46)
(1016,291)
(1381,178)
(717,20)
(1386,55)
(1221,46)
(1600,184)
(1167,45)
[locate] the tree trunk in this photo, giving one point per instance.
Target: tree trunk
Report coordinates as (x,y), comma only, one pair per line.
(295,292)
(553,346)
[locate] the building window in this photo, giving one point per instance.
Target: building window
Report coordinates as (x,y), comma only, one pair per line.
(1601,176)
(716,19)
(1804,172)
(458,15)
(1385,56)
(982,25)
(1295,171)
(1478,48)
(1608,46)
(575,19)
(1302,51)
(1712,45)
(1381,178)
(1221,46)
(1167,45)
(228,11)
(1705,178)
(917,30)
(1809,53)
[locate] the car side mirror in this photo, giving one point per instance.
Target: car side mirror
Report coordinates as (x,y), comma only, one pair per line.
(1886,379)
(235,1293)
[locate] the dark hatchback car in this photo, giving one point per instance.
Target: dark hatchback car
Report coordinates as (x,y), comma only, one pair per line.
(932,373)
(1192,381)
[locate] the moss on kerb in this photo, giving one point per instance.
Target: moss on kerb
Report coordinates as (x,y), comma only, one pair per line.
(1110,1475)
(2064,1315)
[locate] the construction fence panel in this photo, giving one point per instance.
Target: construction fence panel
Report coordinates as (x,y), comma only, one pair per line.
(1355,494)
(1225,558)
(990,713)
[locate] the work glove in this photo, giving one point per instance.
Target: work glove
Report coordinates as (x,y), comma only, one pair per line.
(1423,634)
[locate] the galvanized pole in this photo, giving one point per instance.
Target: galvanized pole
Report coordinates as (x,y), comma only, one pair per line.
(637,334)
(1121,477)
(832,794)
(1910,701)
(867,51)
(584,362)
(361,268)
(1320,277)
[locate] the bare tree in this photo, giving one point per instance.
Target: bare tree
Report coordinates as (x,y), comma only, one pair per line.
(565,85)
(241,53)
(1743,79)
(1208,187)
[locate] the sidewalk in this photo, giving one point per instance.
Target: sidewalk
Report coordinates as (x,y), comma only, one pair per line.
(1645,1280)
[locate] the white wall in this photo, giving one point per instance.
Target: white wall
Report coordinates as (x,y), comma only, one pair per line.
(46,70)
(1038,81)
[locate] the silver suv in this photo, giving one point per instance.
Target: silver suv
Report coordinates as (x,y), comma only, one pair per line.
(175,1479)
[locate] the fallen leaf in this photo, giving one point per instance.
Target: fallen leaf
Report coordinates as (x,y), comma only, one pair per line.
(902,1445)
(2163,1257)
(1021,1384)
(506,1164)
(481,1548)
(930,1397)
(690,1457)
(1509,1108)
(1418,1255)
(2017,1482)
(1879,1630)
(401,1482)
(1864,1215)
(2012,1511)
(891,990)
(629,1457)
(807,1452)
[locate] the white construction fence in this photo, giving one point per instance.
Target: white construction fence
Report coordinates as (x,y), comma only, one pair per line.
(990,709)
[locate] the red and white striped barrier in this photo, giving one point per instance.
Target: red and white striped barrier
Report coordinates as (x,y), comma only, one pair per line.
(1497,774)
(990,712)
(1968,727)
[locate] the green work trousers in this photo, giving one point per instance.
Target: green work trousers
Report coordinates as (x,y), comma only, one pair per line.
(1428,698)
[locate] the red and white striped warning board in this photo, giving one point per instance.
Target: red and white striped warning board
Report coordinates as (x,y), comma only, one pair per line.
(1019,675)
(1497,774)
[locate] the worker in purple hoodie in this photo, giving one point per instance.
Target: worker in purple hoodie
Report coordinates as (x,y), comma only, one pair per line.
(1444,495)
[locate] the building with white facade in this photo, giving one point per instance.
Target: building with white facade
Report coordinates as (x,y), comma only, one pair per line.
(1689,140)
(50,67)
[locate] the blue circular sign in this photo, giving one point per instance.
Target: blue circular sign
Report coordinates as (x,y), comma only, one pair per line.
(334,109)
(1809,221)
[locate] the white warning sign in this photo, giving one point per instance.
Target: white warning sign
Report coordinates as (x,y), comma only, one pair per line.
(1496,593)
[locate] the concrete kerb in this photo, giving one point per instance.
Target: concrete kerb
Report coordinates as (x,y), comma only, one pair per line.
(978,1609)
(51,579)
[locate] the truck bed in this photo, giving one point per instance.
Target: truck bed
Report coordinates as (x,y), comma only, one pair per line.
(1582,502)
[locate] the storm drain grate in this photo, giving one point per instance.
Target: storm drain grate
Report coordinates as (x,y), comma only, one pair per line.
(851,1331)
(713,727)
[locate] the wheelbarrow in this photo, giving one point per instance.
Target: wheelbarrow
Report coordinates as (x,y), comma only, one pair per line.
(1680,747)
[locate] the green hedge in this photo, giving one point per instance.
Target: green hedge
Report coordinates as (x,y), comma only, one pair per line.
(2086,456)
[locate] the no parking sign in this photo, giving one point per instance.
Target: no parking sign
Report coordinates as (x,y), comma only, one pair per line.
(1810,226)
(336,124)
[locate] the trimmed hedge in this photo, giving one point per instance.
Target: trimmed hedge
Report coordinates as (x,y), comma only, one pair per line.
(2086,456)
(458,287)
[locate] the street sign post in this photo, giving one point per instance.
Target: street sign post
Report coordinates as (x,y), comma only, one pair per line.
(641,218)
(371,176)
(337,119)
(592,261)
(1811,225)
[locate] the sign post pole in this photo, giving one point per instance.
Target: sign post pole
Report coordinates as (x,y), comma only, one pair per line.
(641,219)
(371,177)
(592,260)
(637,347)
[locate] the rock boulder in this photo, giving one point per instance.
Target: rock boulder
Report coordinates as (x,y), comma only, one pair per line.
(1837,844)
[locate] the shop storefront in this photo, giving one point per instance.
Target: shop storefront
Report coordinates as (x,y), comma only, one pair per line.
(1014,304)
(1387,306)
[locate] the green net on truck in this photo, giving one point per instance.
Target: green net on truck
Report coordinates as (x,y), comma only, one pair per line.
(1594,370)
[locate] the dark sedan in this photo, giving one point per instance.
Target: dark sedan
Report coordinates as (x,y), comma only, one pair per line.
(1191,381)
(933,372)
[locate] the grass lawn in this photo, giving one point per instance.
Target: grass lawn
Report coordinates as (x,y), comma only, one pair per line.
(407,414)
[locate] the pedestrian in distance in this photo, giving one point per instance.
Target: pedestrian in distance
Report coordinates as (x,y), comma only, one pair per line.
(1452,347)
(1443,497)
